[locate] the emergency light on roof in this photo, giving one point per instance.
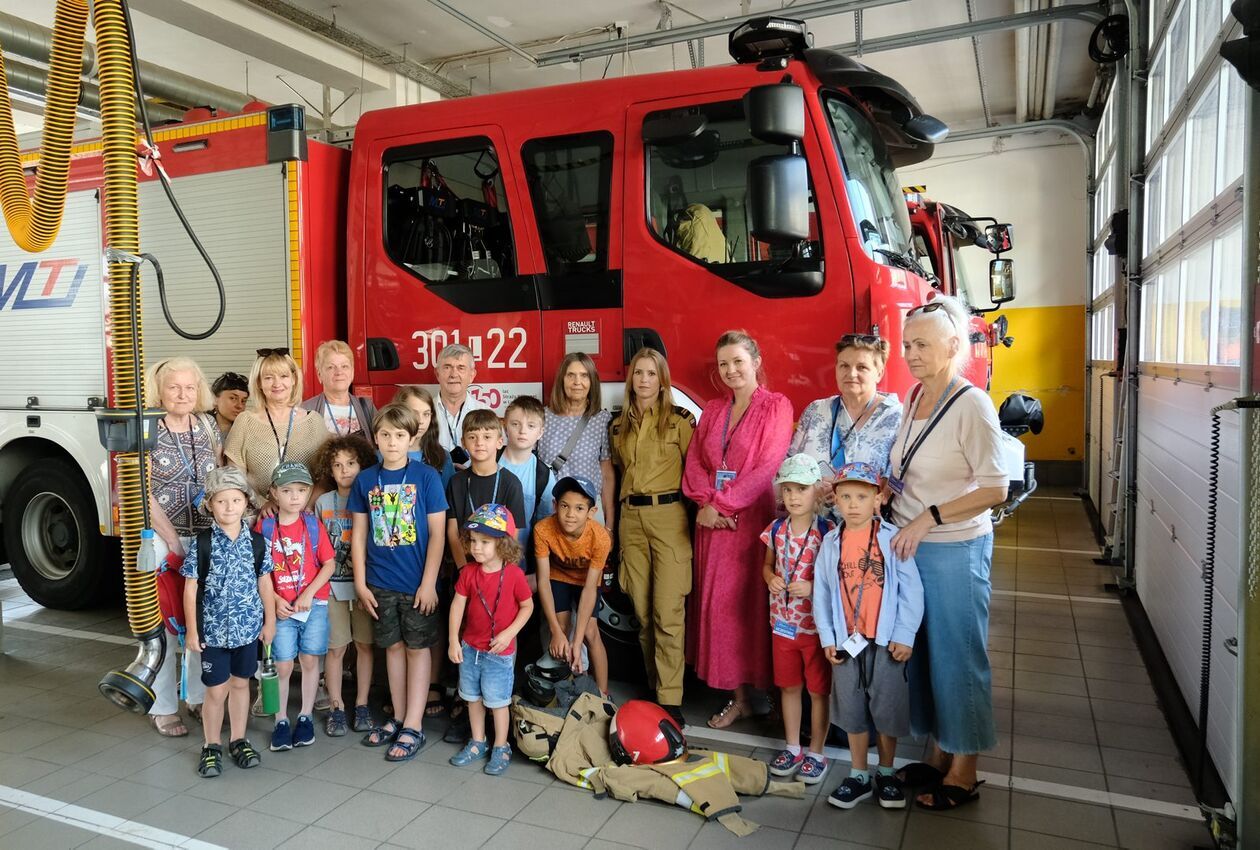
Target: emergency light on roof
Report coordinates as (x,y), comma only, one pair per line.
(768,38)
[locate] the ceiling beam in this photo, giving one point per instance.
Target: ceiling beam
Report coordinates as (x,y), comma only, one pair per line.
(475,24)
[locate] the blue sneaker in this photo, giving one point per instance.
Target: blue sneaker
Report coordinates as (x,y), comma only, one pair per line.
(472,751)
(850,792)
(500,758)
(812,770)
(304,732)
(784,764)
(282,737)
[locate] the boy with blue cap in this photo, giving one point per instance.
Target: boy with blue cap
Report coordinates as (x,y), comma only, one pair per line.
(868,604)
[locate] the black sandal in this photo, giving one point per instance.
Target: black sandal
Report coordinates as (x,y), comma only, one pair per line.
(919,774)
(409,741)
(210,764)
(244,754)
(435,707)
(384,735)
(948,797)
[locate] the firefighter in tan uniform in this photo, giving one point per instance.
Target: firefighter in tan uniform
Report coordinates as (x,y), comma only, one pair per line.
(649,440)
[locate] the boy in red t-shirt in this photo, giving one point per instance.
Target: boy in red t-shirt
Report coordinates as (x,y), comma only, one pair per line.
(304,561)
(487,651)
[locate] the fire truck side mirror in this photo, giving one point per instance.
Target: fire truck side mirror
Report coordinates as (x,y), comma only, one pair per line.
(776,113)
(778,199)
(1000,236)
(1001,280)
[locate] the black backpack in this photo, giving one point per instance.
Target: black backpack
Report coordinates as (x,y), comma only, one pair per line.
(204,540)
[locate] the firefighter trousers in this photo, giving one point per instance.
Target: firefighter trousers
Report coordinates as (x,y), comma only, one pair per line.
(656,575)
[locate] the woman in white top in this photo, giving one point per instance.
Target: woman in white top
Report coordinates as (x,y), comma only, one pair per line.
(947,472)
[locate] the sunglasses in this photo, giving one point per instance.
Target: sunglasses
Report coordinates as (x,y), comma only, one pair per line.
(860,339)
(931,307)
(270,352)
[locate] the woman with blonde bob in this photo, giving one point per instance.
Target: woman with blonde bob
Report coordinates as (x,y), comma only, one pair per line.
(274,427)
(187,449)
(649,442)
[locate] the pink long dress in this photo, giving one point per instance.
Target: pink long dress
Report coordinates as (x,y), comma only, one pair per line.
(728,631)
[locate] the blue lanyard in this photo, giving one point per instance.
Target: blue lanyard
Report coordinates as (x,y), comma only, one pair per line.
(838,442)
(333,416)
(494,497)
(727,433)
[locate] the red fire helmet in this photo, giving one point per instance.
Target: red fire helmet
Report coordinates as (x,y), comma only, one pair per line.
(643,733)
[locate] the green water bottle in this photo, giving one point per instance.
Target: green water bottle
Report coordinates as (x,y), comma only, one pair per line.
(270,684)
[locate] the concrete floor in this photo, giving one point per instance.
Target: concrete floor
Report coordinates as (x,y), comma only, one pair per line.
(1085,758)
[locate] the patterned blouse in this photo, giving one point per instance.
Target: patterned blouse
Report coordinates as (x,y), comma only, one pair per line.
(177,468)
(232,607)
(871,443)
(591,449)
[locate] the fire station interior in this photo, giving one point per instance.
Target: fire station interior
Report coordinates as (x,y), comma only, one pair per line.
(1082,176)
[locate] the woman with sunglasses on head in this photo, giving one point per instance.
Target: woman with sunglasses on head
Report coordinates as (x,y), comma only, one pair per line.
(274,427)
(858,424)
(231,391)
(946,473)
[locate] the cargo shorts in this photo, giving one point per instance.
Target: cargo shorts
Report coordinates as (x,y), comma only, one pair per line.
(397,620)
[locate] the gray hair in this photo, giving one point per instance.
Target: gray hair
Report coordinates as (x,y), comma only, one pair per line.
(952,320)
(453,351)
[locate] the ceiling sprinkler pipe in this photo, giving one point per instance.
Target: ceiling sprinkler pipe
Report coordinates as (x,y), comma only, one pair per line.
(1050,86)
(1021,66)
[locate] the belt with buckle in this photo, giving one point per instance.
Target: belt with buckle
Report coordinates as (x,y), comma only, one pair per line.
(662,499)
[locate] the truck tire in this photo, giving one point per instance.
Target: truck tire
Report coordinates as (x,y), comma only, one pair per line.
(52,537)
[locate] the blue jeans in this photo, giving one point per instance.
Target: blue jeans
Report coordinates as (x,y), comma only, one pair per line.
(309,638)
(487,677)
(951,688)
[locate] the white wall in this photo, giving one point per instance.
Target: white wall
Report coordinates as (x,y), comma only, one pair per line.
(1173,428)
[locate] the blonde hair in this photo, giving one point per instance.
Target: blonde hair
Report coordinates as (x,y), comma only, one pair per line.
(273,363)
(741,337)
(327,349)
(594,400)
(157,374)
(665,401)
(953,321)
(506,548)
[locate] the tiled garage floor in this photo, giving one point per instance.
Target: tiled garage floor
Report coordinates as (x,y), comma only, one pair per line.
(1085,758)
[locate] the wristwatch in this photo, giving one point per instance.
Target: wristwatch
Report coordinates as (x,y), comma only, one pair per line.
(936,514)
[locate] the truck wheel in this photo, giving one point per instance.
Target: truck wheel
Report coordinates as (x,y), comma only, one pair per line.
(52,537)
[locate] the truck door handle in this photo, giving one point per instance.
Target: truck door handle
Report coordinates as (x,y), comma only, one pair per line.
(635,338)
(382,355)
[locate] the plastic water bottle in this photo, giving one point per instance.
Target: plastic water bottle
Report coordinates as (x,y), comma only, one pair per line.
(146,558)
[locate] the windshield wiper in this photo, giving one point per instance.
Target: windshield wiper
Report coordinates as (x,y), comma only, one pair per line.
(904,261)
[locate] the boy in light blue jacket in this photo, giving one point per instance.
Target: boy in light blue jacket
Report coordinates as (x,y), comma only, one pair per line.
(868,604)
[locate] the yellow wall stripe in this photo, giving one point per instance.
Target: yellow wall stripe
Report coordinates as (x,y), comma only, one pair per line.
(292,172)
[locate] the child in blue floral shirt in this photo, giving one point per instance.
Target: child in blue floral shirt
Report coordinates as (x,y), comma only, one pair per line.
(228,605)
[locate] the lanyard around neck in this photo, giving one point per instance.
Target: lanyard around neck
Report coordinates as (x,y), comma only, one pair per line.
(837,441)
(446,417)
(492,613)
(494,496)
(864,564)
(929,424)
(281,449)
(189,466)
(328,405)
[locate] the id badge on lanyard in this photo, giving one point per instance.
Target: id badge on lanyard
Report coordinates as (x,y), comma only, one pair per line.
(855,644)
(784,629)
(722,478)
(896,485)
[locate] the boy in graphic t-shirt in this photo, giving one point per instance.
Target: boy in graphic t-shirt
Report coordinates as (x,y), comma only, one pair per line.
(571,550)
(399,513)
(303,559)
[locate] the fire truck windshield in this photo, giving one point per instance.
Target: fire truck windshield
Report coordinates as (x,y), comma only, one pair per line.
(875,197)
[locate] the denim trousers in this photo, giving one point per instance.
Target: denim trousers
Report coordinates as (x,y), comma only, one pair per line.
(951,688)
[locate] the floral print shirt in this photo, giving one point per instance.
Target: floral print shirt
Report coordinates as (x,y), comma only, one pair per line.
(794,561)
(871,443)
(231,607)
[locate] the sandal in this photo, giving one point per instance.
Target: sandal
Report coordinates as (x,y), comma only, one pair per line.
(730,712)
(918,774)
(210,764)
(244,754)
(169,725)
(382,735)
(409,747)
(194,712)
(435,707)
(947,797)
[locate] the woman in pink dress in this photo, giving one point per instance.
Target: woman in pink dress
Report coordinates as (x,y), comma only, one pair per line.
(738,445)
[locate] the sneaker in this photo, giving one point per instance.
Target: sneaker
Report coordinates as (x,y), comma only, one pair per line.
(244,754)
(891,794)
(472,751)
(785,764)
(282,737)
(304,732)
(850,792)
(362,719)
(256,709)
(210,764)
(500,758)
(322,702)
(335,726)
(813,770)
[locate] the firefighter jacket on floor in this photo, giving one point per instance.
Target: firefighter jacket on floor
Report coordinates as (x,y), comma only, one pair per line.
(708,783)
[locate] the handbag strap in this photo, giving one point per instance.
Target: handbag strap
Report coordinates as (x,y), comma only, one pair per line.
(561,459)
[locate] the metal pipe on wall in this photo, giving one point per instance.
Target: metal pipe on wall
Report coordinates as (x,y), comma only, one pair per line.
(33,81)
(1050,85)
(1021,66)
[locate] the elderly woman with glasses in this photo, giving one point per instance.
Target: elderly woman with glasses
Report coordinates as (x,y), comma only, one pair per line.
(858,424)
(946,473)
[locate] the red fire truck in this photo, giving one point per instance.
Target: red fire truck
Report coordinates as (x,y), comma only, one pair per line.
(604,216)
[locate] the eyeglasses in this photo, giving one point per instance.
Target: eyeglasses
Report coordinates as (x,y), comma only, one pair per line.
(860,339)
(931,307)
(273,352)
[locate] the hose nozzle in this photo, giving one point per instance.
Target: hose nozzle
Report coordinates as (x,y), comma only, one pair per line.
(132,687)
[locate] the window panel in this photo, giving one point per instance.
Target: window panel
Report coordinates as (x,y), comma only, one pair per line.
(1197,304)
(1178,42)
(1207,25)
(1231,166)
(1228,311)
(1156,87)
(1173,207)
(570,180)
(1169,311)
(1150,318)
(1154,209)
(1201,153)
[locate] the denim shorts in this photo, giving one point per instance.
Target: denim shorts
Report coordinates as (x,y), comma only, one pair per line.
(487,677)
(309,638)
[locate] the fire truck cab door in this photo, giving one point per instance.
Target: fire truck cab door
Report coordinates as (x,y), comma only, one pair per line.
(456,265)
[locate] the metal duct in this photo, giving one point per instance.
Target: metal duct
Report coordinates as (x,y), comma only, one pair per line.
(33,81)
(33,42)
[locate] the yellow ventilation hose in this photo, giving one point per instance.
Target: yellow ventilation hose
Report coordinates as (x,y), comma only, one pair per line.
(34,226)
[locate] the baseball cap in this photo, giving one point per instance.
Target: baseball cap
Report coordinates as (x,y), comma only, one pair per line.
(493,520)
(291,472)
(224,478)
(575,484)
(798,469)
(863,472)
